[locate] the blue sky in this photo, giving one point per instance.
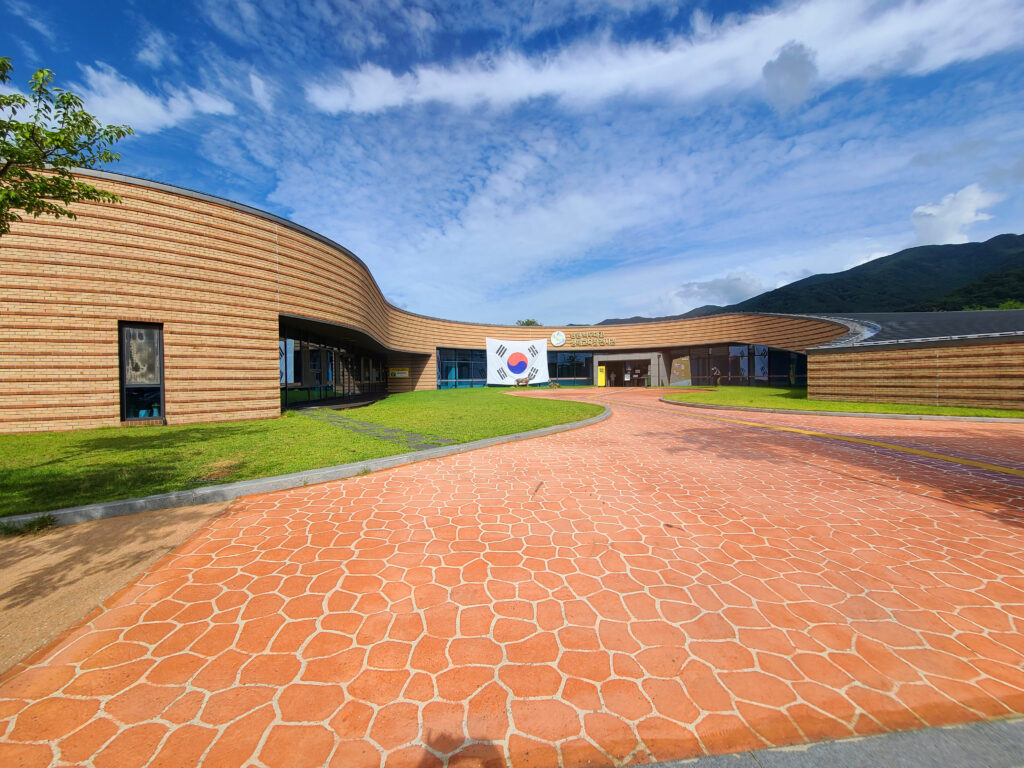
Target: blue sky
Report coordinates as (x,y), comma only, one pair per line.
(569,160)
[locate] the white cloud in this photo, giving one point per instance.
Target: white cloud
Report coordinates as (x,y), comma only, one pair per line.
(853,38)
(238,19)
(734,287)
(947,221)
(220,147)
(1009,174)
(614,209)
(33,17)
(278,30)
(7,89)
(261,92)
(864,259)
(355,28)
(789,77)
(113,99)
(607,209)
(422,25)
(156,50)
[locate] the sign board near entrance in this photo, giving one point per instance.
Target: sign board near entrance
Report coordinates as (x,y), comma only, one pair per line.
(590,339)
(398,373)
(680,372)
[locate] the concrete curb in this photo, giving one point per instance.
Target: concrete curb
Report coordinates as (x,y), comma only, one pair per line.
(228,491)
(988,743)
(913,416)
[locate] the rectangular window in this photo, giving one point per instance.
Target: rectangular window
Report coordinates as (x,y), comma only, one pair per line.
(459,368)
(760,363)
(142,371)
(570,368)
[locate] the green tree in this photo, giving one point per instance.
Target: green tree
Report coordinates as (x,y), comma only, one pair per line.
(527,321)
(1007,304)
(56,136)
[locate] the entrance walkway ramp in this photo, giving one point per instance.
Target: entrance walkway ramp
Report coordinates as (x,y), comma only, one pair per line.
(656,587)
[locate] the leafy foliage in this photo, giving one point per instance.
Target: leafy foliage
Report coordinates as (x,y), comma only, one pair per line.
(999,290)
(56,136)
(527,321)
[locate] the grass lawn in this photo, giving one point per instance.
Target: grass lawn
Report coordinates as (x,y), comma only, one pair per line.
(470,414)
(49,470)
(795,398)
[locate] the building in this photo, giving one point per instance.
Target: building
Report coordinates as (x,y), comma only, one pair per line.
(177,307)
(924,358)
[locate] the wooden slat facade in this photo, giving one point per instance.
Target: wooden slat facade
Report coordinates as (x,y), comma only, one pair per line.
(218,277)
(970,373)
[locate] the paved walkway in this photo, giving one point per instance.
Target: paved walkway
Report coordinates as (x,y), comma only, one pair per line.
(655,587)
(981,744)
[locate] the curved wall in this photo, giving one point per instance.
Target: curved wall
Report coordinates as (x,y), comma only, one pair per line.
(218,276)
(982,372)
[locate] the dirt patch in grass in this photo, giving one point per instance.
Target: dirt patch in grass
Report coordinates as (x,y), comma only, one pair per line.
(220,470)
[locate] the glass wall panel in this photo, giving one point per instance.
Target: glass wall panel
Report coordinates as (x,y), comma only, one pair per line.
(461,368)
(700,366)
(739,365)
(570,369)
(760,362)
(747,364)
(778,367)
(316,368)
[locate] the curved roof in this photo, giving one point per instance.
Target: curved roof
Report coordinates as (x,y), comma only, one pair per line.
(906,327)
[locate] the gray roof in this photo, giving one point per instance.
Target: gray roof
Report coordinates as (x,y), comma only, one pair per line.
(897,327)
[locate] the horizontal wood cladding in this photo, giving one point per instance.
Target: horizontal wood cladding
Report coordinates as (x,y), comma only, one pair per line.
(218,278)
(983,375)
(421,372)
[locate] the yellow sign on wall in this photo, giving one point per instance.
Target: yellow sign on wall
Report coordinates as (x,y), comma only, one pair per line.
(600,375)
(398,373)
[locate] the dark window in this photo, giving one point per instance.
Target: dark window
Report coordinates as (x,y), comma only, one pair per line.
(142,371)
(571,368)
(315,367)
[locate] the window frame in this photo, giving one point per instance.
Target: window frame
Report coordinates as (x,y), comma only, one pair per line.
(122,326)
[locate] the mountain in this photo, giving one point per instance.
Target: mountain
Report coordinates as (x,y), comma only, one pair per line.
(990,291)
(894,283)
(925,277)
(707,309)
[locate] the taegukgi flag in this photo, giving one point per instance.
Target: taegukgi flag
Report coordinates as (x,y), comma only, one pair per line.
(511,360)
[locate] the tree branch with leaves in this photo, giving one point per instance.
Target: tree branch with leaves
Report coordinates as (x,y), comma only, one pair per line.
(44,137)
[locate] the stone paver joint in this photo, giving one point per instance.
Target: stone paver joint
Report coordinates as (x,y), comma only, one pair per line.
(653,587)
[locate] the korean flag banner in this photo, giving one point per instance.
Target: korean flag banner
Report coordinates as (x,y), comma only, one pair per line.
(508,361)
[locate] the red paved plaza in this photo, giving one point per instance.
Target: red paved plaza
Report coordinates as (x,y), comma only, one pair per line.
(660,585)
